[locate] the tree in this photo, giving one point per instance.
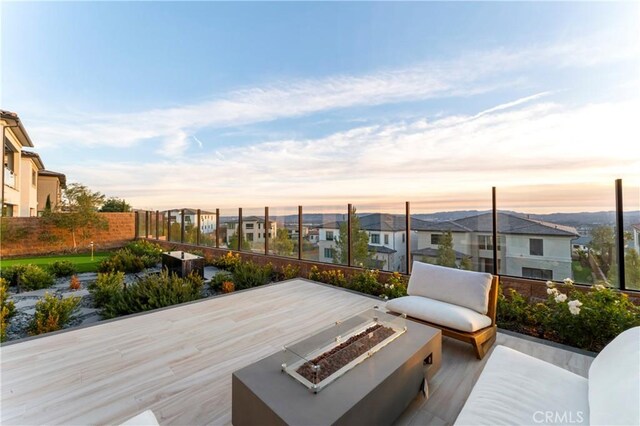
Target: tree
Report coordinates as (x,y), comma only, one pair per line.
(466,264)
(283,245)
(47,204)
(79,213)
(115,205)
(446,254)
(602,244)
(632,269)
(233,243)
(360,253)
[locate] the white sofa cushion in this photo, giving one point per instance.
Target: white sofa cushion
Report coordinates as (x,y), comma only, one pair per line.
(517,389)
(437,312)
(145,418)
(463,288)
(614,382)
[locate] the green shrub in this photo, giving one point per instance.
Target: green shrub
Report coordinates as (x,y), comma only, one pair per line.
(11,274)
(62,268)
(152,292)
(34,277)
(396,286)
(7,309)
(249,274)
(218,279)
(124,260)
(333,276)
(106,287)
(52,313)
(366,282)
(150,251)
(290,271)
(228,262)
(515,312)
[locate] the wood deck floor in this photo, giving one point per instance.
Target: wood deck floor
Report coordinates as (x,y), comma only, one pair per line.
(178,362)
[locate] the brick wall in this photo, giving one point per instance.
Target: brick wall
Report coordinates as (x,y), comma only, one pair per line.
(26,236)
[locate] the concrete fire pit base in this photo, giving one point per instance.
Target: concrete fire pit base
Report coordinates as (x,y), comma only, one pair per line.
(374,392)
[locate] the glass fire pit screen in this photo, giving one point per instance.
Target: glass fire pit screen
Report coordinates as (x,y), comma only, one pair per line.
(320,359)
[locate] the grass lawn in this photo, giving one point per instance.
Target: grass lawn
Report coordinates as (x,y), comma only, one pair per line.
(581,274)
(83,262)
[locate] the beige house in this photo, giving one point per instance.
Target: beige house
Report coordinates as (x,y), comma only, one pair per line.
(30,166)
(50,185)
(19,195)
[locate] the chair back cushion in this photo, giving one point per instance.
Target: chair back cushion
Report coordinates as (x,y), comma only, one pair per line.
(463,288)
(614,382)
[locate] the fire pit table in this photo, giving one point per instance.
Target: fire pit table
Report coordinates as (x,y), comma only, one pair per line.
(362,370)
(182,263)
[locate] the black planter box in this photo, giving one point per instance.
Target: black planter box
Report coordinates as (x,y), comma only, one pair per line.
(182,264)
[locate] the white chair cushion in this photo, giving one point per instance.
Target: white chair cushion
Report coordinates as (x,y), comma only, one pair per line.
(145,418)
(614,381)
(463,288)
(441,313)
(517,389)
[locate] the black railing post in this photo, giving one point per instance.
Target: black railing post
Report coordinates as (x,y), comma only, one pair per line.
(168,225)
(182,226)
(267,227)
(217,228)
(146,223)
(240,233)
(198,229)
(407,240)
(620,234)
(299,232)
(494,215)
(137,224)
(157,225)
(349,259)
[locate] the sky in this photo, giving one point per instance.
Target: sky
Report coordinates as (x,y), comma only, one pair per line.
(212,104)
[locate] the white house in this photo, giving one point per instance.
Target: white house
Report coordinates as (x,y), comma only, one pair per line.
(19,186)
(253,229)
(387,239)
(526,247)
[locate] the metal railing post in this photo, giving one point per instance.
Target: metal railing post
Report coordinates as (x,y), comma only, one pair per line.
(182,226)
(267,228)
(157,225)
(299,232)
(168,225)
(217,228)
(198,229)
(240,233)
(349,253)
(136,223)
(147,215)
(620,235)
(407,208)
(494,211)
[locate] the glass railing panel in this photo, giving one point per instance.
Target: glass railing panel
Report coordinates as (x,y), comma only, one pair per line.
(553,232)
(254,230)
(228,232)
(175,225)
(141,223)
(378,236)
(190,217)
(631,215)
(208,227)
(152,224)
(454,231)
(162,228)
(326,229)
(285,230)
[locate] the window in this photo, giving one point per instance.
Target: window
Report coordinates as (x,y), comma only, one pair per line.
(259,225)
(33,177)
(435,238)
(403,238)
(249,237)
(329,235)
(485,242)
(248,225)
(539,274)
(386,238)
(328,252)
(375,238)
(535,247)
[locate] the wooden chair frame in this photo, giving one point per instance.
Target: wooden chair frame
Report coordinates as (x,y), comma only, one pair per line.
(482,339)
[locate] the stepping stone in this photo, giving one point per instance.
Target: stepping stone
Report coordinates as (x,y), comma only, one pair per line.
(29,311)
(38,293)
(85,312)
(26,303)
(91,319)
(79,293)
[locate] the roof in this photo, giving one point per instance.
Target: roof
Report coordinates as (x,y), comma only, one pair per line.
(380,222)
(507,224)
(381,249)
(195,211)
(35,157)
(636,226)
(432,252)
(582,240)
(61,177)
(22,134)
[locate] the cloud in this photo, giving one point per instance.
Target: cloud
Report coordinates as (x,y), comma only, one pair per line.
(523,147)
(469,74)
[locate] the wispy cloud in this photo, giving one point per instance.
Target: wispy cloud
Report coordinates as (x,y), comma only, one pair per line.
(469,74)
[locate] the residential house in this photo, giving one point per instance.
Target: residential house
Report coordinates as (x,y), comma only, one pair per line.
(526,247)
(635,229)
(207,219)
(18,194)
(253,229)
(387,239)
(50,186)
(30,166)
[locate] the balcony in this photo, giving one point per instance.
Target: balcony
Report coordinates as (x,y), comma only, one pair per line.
(9,178)
(178,362)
